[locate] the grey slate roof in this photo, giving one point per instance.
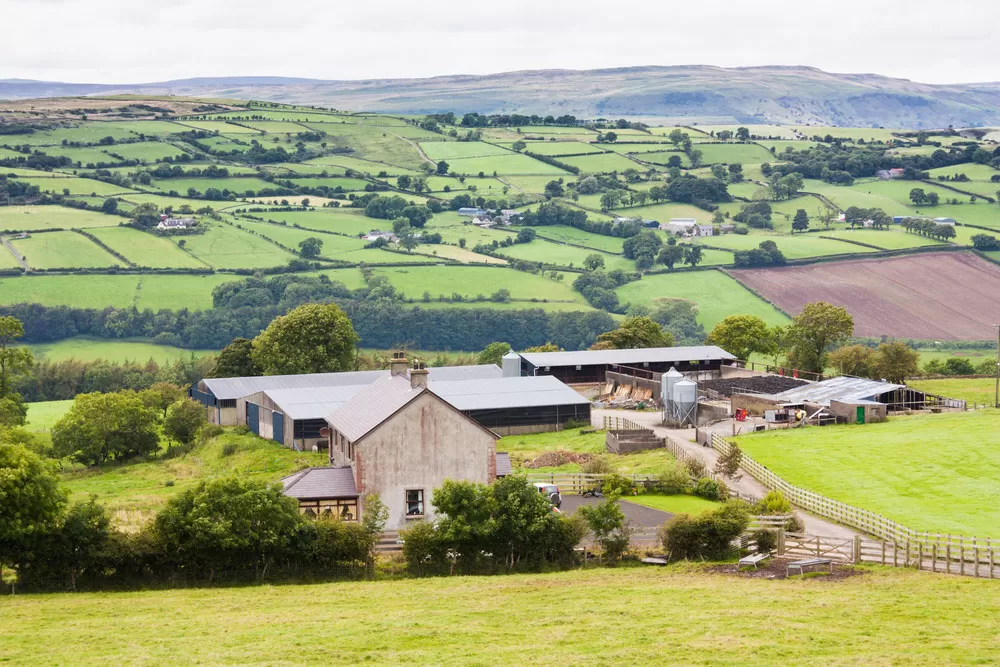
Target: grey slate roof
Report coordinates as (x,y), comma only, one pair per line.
(316,483)
(844,388)
(504,466)
(626,357)
(371,406)
(230,388)
(509,392)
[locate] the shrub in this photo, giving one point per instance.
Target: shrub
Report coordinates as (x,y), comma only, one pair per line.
(710,489)
(773,503)
(424,550)
(672,481)
(209,432)
(339,545)
(571,424)
(707,536)
(767,541)
(229,449)
(241,429)
(599,465)
(610,527)
(618,485)
(696,467)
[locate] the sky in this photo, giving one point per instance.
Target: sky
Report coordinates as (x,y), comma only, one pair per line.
(112,41)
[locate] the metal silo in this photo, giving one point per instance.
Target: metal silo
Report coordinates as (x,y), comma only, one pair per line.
(667,382)
(685,402)
(511,365)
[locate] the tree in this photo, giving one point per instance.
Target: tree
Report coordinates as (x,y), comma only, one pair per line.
(740,335)
(728,463)
(236,360)
(161,396)
(677,136)
(695,155)
(146,215)
(813,332)
(31,500)
(110,205)
(442,168)
(918,196)
(670,255)
(13,360)
(800,222)
(593,262)
(857,360)
(610,527)
(635,332)
(310,247)
(611,137)
(548,347)
(554,189)
(404,182)
(99,428)
(896,361)
(493,354)
(314,338)
(742,134)
(228,524)
(184,420)
(692,255)
(933,198)
(519,146)
(526,235)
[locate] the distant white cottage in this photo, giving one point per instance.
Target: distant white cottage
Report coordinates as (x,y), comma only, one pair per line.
(166,222)
(688,226)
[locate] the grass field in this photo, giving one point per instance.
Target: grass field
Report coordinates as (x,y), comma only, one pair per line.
(929,472)
(606,162)
(76,186)
(510,163)
(118,350)
(147,151)
(225,247)
(43,415)
(678,504)
(623,615)
(121,291)
(60,250)
(714,293)
(979,391)
(581,237)
(474,280)
(238,185)
(794,247)
(733,153)
(560,254)
(343,221)
(891,239)
(451,150)
(7,259)
(557,148)
(145,249)
(32,218)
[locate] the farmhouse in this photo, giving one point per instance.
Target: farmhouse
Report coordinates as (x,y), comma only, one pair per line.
(167,222)
(399,439)
(593,365)
(688,226)
(890,174)
(471,212)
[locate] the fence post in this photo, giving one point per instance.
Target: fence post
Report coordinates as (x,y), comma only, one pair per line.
(856,553)
(781,542)
(934,557)
(991,563)
(908,552)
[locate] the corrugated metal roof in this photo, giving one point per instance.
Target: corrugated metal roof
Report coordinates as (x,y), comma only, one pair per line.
(626,357)
(312,402)
(504,466)
(510,392)
(230,388)
(371,406)
(844,388)
(316,483)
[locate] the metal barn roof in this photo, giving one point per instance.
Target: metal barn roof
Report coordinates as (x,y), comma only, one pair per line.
(510,392)
(312,402)
(320,483)
(626,357)
(230,388)
(844,388)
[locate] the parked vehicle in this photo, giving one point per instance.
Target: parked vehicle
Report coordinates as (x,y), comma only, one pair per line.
(595,492)
(550,491)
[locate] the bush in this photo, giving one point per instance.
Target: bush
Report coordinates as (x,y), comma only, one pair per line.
(610,527)
(424,550)
(695,467)
(571,424)
(229,449)
(773,503)
(711,489)
(241,429)
(767,541)
(209,432)
(707,536)
(672,481)
(618,485)
(599,465)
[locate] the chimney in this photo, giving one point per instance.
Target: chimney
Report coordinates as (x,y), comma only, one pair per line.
(418,376)
(398,364)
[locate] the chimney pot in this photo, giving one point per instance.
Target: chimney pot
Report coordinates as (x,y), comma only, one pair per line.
(418,377)
(398,365)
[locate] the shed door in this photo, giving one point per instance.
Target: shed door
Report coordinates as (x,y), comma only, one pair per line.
(861,414)
(253,417)
(278,427)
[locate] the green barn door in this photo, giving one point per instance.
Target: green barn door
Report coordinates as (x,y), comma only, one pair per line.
(861,414)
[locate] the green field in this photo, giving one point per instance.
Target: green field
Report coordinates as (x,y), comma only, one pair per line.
(678,504)
(606,162)
(474,280)
(76,186)
(237,185)
(43,415)
(451,150)
(145,249)
(225,247)
(715,294)
(933,473)
(873,619)
(557,148)
(580,237)
(33,218)
(510,163)
(115,350)
(891,239)
(559,254)
(121,291)
(147,151)
(525,448)
(976,391)
(733,153)
(60,250)
(794,247)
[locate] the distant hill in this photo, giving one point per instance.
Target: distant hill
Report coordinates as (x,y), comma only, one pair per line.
(789,95)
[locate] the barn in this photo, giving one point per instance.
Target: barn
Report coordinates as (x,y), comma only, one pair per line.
(589,366)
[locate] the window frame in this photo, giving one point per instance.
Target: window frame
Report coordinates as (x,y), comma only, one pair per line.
(406,503)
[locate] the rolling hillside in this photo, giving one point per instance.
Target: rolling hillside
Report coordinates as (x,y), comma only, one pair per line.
(792,95)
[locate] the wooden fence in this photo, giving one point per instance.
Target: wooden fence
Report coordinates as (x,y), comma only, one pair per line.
(897,544)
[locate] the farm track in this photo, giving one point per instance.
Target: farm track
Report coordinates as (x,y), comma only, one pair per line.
(15,253)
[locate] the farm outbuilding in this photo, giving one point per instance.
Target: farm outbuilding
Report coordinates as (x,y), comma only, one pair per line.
(589,366)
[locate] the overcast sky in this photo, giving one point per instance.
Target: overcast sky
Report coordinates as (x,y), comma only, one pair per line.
(111,41)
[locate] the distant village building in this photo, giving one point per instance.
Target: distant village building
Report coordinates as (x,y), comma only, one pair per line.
(688,227)
(951,222)
(166,222)
(471,212)
(375,235)
(889,174)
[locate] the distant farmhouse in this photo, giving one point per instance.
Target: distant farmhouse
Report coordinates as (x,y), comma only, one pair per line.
(890,174)
(687,226)
(166,222)
(472,212)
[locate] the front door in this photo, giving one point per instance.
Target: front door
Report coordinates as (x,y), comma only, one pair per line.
(861,414)
(253,417)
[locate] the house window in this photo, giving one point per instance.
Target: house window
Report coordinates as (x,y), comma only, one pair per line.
(227,403)
(345,509)
(414,502)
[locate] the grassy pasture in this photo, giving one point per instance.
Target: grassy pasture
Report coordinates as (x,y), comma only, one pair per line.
(794,247)
(83,156)
(239,185)
(333,245)
(33,218)
(374,143)
(76,186)
(510,163)
(7,260)
(120,291)
(978,391)
(342,221)
(555,130)
(450,150)
(646,147)
(664,212)
(780,146)
(275,126)
(867,133)
(471,281)
(145,249)
(928,472)
(764,130)
(43,415)
(92,349)
(977,172)
(61,250)
(606,162)
(348,184)
(225,144)
(528,447)
(715,294)
(581,237)
(557,148)
(225,247)
(891,239)
(663,157)
(356,164)
(872,619)
(560,254)
(222,127)
(733,153)
(147,151)
(86,133)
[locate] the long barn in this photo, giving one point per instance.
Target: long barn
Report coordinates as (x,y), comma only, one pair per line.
(589,366)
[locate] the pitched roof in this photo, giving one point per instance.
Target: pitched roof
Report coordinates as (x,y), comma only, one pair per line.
(634,356)
(844,388)
(509,392)
(504,466)
(372,405)
(313,483)
(230,388)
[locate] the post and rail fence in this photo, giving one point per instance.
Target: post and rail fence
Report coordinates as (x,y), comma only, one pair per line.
(897,545)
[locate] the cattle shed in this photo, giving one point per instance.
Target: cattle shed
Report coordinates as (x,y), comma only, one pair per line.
(588,366)
(226,398)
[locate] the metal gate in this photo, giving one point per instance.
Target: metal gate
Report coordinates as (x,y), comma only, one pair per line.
(253,418)
(278,427)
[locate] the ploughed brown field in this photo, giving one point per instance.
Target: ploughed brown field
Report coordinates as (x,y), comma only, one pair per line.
(946,295)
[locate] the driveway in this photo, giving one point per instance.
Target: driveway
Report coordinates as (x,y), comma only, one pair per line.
(639,516)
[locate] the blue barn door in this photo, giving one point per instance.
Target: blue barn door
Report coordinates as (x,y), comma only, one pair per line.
(253,417)
(278,427)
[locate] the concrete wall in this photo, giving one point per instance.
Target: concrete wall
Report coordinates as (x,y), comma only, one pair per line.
(753,404)
(629,442)
(849,411)
(421,446)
